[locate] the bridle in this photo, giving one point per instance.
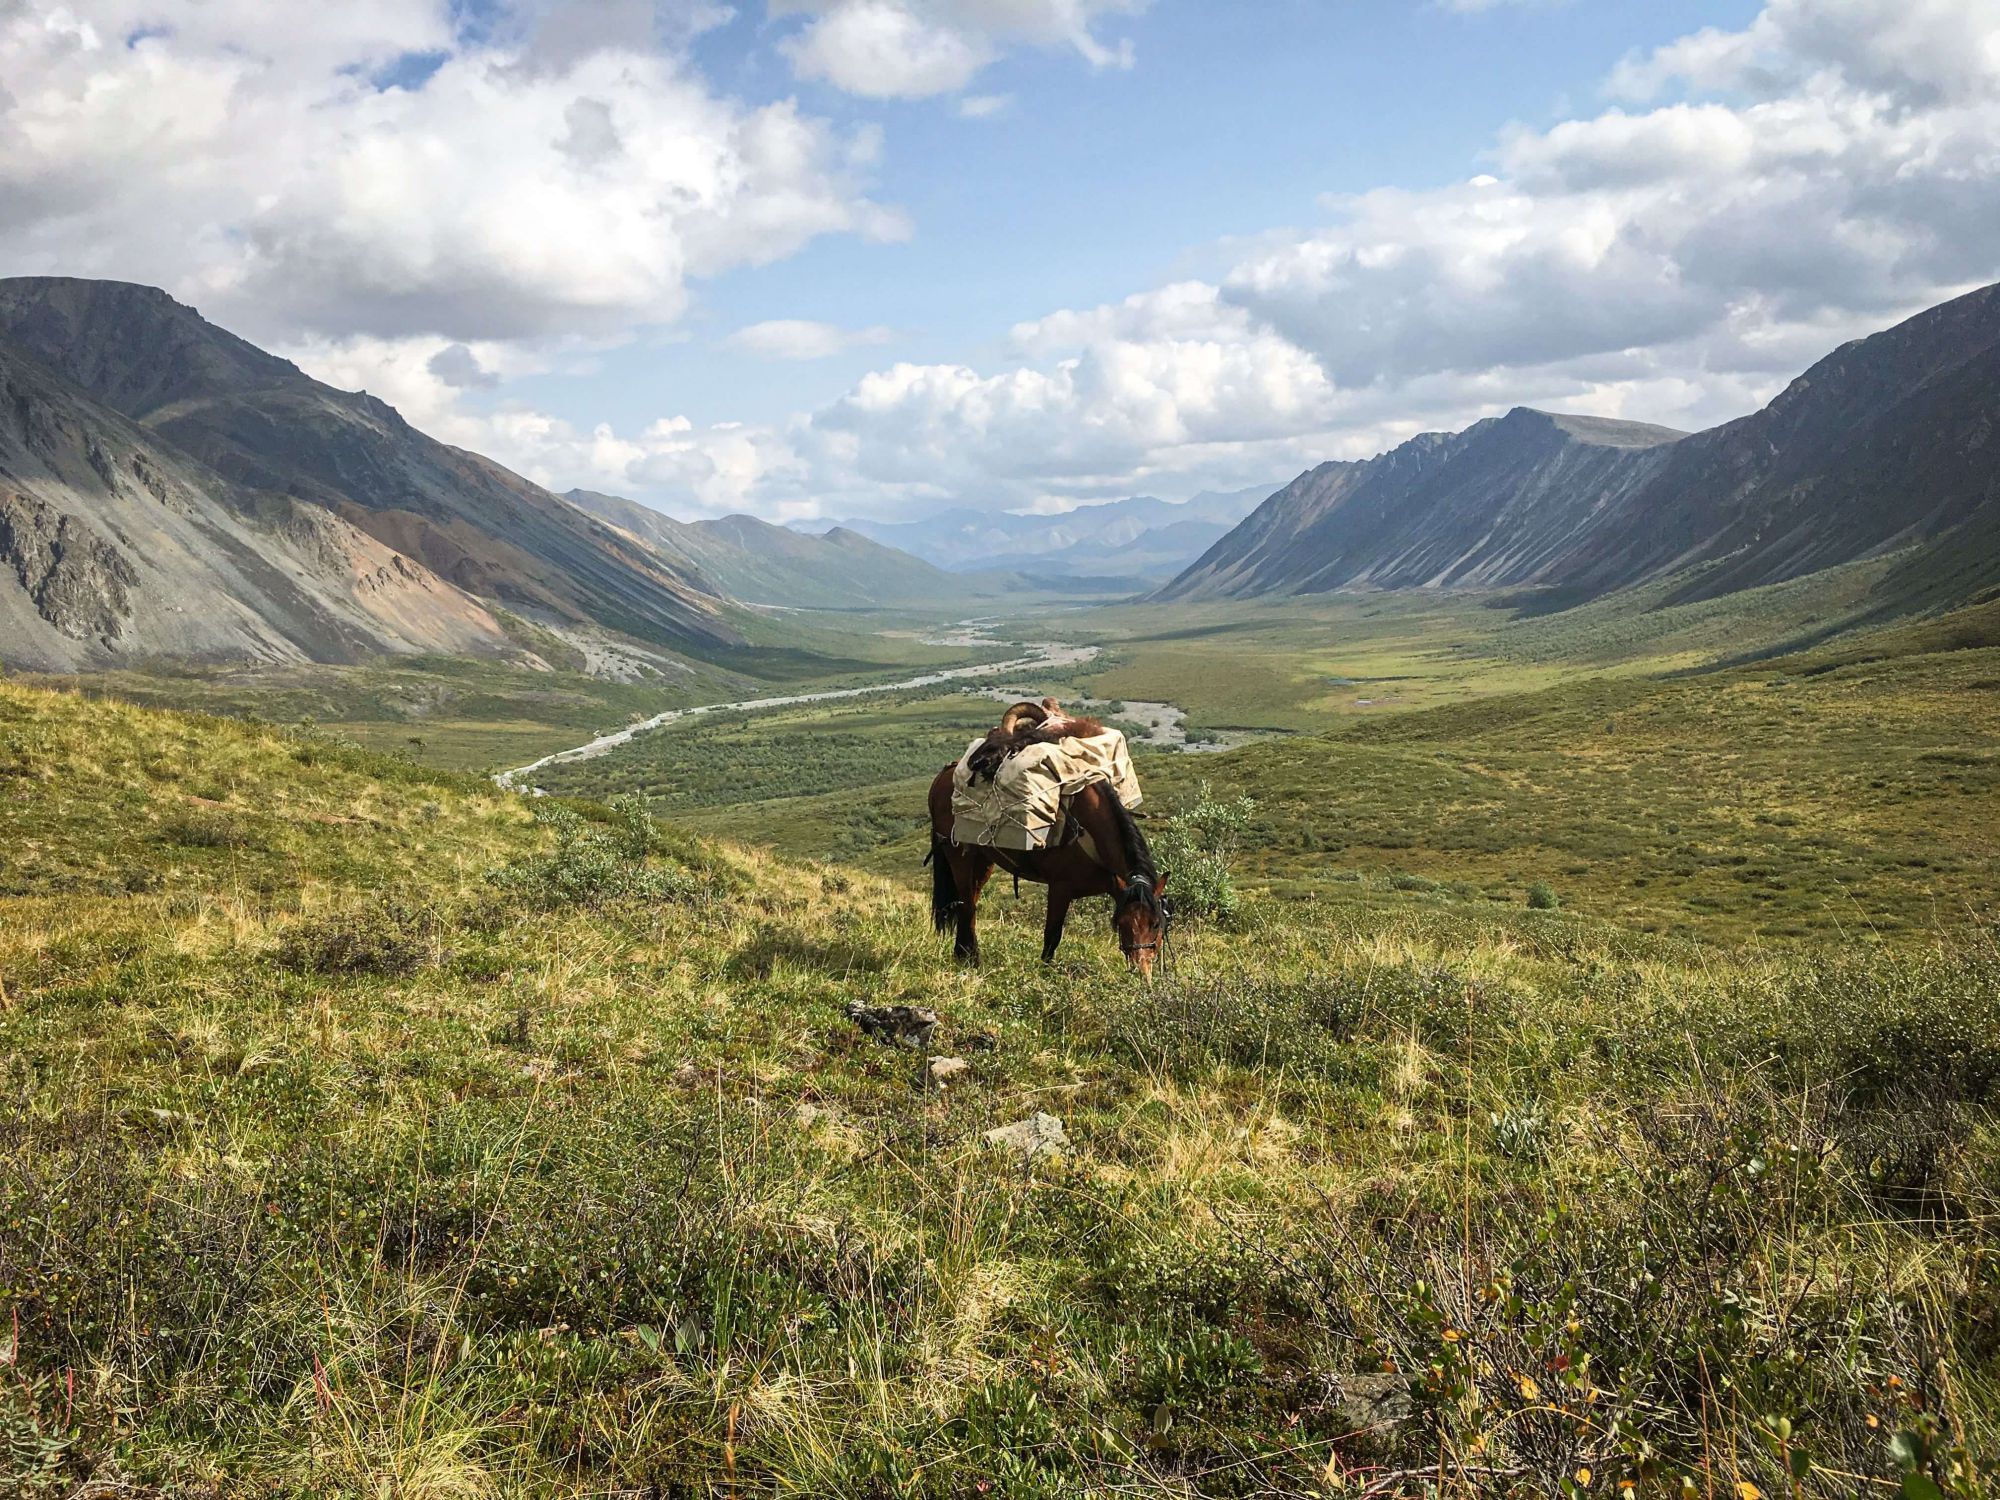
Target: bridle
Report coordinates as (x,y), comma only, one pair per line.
(1137,889)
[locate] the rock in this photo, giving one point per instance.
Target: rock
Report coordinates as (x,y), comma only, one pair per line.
(76,579)
(1374,1402)
(895,1025)
(943,1069)
(981,1042)
(1041,1135)
(686,1076)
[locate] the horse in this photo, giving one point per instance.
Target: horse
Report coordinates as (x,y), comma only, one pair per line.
(1102,854)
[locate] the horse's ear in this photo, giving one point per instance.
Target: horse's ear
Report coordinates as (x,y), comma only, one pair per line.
(1161,883)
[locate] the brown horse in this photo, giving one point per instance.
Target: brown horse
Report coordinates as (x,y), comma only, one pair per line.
(1102,853)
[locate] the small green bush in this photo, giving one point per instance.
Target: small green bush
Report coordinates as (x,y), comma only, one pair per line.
(1196,849)
(207,832)
(595,866)
(1542,897)
(384,937)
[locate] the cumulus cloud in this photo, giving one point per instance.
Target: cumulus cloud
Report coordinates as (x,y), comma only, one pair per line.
(801,339)
(459,368)
(1914,52)
(1823,171)
(913,49)
(424,213)
(368,167)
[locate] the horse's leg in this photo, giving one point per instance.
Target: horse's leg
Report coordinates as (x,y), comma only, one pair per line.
(971,872)
(1052,925)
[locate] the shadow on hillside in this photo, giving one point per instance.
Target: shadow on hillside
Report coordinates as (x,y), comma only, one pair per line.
(773,946)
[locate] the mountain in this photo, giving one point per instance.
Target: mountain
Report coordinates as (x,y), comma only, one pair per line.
(263,425)
(759,563)
(1492,505)
(1141,538)
(114,545)
(1888,442)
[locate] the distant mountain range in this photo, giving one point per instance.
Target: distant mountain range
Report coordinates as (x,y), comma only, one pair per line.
(1141,539)
(759,563)
(168,490)
(1891,442)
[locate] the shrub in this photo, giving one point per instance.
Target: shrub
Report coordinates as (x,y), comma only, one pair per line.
(1196,848)
(1542,897)
(384,937)
(205,832)
(593,866)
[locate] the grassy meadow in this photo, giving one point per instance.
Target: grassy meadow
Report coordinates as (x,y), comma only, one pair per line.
(1591,1093)
(376,1134)
(1848,794)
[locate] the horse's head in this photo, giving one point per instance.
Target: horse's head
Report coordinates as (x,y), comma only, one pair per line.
(1141,918)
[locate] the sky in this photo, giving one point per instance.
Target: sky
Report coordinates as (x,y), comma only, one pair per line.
(834,258)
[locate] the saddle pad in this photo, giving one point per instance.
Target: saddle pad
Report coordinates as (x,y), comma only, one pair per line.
(1022,806)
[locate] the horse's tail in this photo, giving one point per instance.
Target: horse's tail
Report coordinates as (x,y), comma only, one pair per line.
(944,889)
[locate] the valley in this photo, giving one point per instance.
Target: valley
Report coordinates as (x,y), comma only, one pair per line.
(413,1132)
(1577,1044)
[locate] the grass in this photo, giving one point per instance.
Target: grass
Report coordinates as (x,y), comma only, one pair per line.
(371,1136)
(1846,801)
(1304,664)
(1848,793)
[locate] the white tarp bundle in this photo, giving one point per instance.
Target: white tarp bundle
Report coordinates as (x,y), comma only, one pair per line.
(1022,806)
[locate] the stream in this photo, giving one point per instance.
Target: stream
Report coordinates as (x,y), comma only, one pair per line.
(1165,724)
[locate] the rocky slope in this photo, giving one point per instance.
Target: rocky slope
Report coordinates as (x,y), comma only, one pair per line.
(264,425)
(758,563)
(115,546)
(1888,442)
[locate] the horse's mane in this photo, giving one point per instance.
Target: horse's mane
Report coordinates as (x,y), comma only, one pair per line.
(1138,856)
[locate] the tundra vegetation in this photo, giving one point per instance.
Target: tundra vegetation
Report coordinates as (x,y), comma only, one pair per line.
(373,1133)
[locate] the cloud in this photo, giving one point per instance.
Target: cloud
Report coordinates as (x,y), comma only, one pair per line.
(801,339)
(368,168)
(914,49)
(459,368)
(1809,178)
(410,208)
(984,106)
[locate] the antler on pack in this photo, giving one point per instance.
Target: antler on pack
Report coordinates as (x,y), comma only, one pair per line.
(1026,724)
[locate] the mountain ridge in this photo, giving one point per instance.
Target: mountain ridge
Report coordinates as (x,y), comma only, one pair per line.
(760,563)
(1142,536)
(1885,443)
(122,546)
(263,424)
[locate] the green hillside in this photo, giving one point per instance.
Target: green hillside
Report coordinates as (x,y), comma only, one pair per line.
(373,1136)
(762,564)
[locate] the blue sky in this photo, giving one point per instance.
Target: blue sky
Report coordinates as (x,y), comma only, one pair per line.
(1234,119)
(812,258)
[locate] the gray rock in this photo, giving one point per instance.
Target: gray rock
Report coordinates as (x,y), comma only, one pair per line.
(1039,1135)
(78,581)
(1373,1401)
